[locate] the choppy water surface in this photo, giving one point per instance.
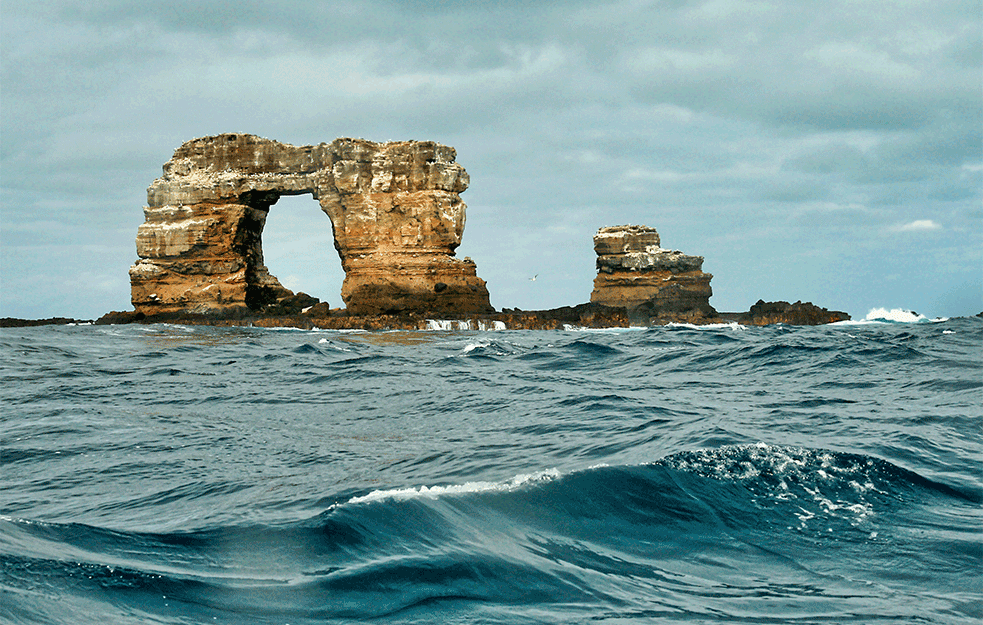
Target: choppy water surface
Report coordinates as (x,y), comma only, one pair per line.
(167,474)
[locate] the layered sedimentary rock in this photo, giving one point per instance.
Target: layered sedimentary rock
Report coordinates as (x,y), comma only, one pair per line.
(394,208)
(653,284)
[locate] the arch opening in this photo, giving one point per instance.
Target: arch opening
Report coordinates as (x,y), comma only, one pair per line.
(297,247)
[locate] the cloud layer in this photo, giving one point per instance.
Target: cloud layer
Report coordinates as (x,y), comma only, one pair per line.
(783,141)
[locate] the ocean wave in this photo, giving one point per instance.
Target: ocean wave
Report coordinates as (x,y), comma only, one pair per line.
(262,476)
(733,325)
(464,325)
(665,538)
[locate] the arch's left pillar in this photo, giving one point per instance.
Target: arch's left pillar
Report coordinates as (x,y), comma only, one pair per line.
(200,247)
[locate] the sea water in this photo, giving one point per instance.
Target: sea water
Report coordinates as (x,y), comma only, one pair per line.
(170,474)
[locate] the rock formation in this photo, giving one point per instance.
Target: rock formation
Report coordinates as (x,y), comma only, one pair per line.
(801,314)
(394,208)
(654,285)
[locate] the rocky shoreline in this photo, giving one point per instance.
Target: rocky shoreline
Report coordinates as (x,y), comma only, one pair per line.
(582,316)
(397,218)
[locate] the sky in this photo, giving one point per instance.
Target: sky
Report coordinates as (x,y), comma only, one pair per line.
(829,152)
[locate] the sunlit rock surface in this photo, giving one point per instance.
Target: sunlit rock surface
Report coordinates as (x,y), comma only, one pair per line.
(653,284)
(394,209)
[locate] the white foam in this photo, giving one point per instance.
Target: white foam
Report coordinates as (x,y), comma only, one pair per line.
(795,467)
(450,325)
(733,325)
(433,492)
(333,346)
(898,315)
(895,315)
(473,346)
(613,330)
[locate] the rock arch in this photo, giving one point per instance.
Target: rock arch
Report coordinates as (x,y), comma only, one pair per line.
(395,212)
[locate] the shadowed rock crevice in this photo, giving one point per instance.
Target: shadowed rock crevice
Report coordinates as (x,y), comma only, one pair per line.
(394,209)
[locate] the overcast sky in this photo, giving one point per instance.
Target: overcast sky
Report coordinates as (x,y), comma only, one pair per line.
(819,151)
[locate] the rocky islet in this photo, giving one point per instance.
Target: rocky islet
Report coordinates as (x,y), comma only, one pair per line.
(397,218)
(653,284)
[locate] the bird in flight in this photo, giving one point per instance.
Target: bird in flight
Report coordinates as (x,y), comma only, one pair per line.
(533,279)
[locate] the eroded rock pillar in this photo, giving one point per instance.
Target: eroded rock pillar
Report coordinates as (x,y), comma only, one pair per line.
(652,283)
(398,219)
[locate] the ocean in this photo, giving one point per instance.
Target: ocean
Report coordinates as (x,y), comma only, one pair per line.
(166,474)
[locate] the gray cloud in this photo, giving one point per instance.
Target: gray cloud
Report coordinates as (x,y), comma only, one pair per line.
(758,134)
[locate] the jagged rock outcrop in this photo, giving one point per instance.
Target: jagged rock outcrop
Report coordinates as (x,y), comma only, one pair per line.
(15,322)
(800,313)
(394,209)
(653,284)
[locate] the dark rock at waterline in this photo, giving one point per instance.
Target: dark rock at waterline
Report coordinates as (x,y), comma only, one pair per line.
(319,315)
(589,315)
(291,305)
(117,317)
(799,313)
(14,322)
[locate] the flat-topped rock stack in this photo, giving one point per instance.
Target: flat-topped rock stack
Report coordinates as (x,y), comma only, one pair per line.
(394,208)
(653,284)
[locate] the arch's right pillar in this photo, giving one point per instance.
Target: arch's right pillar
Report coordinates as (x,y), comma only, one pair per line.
(398,218)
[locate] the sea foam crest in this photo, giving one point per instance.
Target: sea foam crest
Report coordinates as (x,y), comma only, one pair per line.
(733,325)
(433,492)
(898,315)
(827,483)
(449,325)
(470,347)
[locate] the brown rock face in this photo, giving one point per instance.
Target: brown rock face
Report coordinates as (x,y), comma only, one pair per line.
(394,208)
(802,314)
(655,285)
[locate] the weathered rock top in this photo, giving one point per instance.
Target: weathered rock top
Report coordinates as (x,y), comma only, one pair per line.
(626,239)
(638,248)
(212,168)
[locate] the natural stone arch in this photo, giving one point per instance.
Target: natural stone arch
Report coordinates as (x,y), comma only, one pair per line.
(395,212)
